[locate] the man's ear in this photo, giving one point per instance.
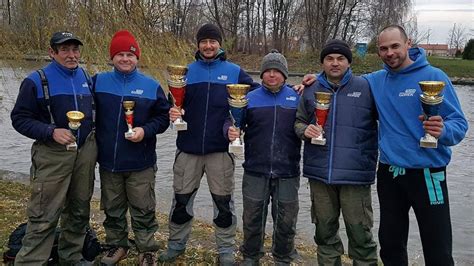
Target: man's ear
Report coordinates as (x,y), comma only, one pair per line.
(409,42)
(51,52)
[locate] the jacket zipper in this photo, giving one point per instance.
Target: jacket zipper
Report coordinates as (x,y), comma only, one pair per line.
(118,124)
(76,107)
(273,134)
(333,128)
(207,104)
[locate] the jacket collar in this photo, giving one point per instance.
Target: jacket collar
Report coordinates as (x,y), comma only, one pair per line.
(125,76)
(325,82)
(64,70)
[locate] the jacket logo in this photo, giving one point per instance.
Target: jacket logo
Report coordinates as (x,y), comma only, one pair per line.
(291,98)
(355,94)
(407,93)
(138,92)
(222,77)
(85,85)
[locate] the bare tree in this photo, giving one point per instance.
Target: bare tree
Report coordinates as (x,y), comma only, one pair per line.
(457,37)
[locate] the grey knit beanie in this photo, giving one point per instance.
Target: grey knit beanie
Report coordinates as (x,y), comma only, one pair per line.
(335,46)
(274,60)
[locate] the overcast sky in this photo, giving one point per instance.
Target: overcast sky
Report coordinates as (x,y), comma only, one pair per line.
(440,15)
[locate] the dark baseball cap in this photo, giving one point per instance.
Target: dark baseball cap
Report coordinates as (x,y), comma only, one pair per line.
(62,37)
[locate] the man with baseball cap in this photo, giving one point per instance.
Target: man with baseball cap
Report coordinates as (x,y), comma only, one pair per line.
(62,180)
(341,171)
(203,147)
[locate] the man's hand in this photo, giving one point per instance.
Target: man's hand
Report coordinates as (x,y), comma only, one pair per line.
(63,136)
(299,88)
(233,133)
(309,79)
(313,131)
(175,113)
(138,136)
(433,126)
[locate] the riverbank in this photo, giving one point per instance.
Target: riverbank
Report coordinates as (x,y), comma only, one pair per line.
(461,72)
(201,246)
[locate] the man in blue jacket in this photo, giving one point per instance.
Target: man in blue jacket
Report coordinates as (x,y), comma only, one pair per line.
(62,180)
(341,171)
(409,176)
(271,167)
(203,147)
(128,163)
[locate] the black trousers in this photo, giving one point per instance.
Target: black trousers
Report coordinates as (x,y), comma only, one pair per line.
(426,192)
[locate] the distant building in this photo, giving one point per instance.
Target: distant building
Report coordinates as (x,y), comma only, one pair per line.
(435,49)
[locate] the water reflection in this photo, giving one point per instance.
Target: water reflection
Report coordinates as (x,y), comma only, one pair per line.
(15,156)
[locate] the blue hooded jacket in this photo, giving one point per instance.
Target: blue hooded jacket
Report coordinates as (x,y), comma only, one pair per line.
(117,154)
(350,153)
(68,91)
(397,96)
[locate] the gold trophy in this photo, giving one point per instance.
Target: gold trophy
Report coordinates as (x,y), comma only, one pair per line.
(431,100)
(74,118)
(323,102)
(128,105)
(237,103)
(177,88)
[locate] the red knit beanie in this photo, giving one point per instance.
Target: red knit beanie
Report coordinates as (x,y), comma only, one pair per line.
(123,41)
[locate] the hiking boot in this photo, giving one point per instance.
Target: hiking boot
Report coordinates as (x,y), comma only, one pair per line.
(226,259)
(170,255)
(147,259)
(114,255)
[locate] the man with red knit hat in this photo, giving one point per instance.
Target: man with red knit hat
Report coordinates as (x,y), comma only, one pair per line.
(128,161)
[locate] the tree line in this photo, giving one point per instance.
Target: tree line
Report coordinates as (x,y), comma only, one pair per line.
(249,26)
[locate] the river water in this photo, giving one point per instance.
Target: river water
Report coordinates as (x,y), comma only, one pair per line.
(15,163)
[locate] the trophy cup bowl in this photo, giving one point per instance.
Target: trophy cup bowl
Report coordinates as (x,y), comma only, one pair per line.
(237,104)
(129,105)
(431,100)
(74,118)
(323,101)
(177,88)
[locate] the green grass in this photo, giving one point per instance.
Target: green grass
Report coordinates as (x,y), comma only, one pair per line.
(201,248)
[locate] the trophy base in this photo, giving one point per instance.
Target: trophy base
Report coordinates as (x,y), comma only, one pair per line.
(129,134)
(428,143)
(236,148)
(71,147)
(318,141)
(179,125)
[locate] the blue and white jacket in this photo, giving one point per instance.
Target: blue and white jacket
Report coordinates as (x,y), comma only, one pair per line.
(206,107)
(397,95)
(68,91)
(117,154)
(350,153)
(272,148)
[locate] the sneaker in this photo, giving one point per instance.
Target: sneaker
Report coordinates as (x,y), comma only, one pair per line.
(170,255)
(226,259)
(147,259)
(114,255)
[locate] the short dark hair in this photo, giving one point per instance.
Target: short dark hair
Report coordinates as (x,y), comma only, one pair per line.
(402,31)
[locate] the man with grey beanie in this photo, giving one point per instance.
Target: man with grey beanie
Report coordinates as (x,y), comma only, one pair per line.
(341,171)
(271,167)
